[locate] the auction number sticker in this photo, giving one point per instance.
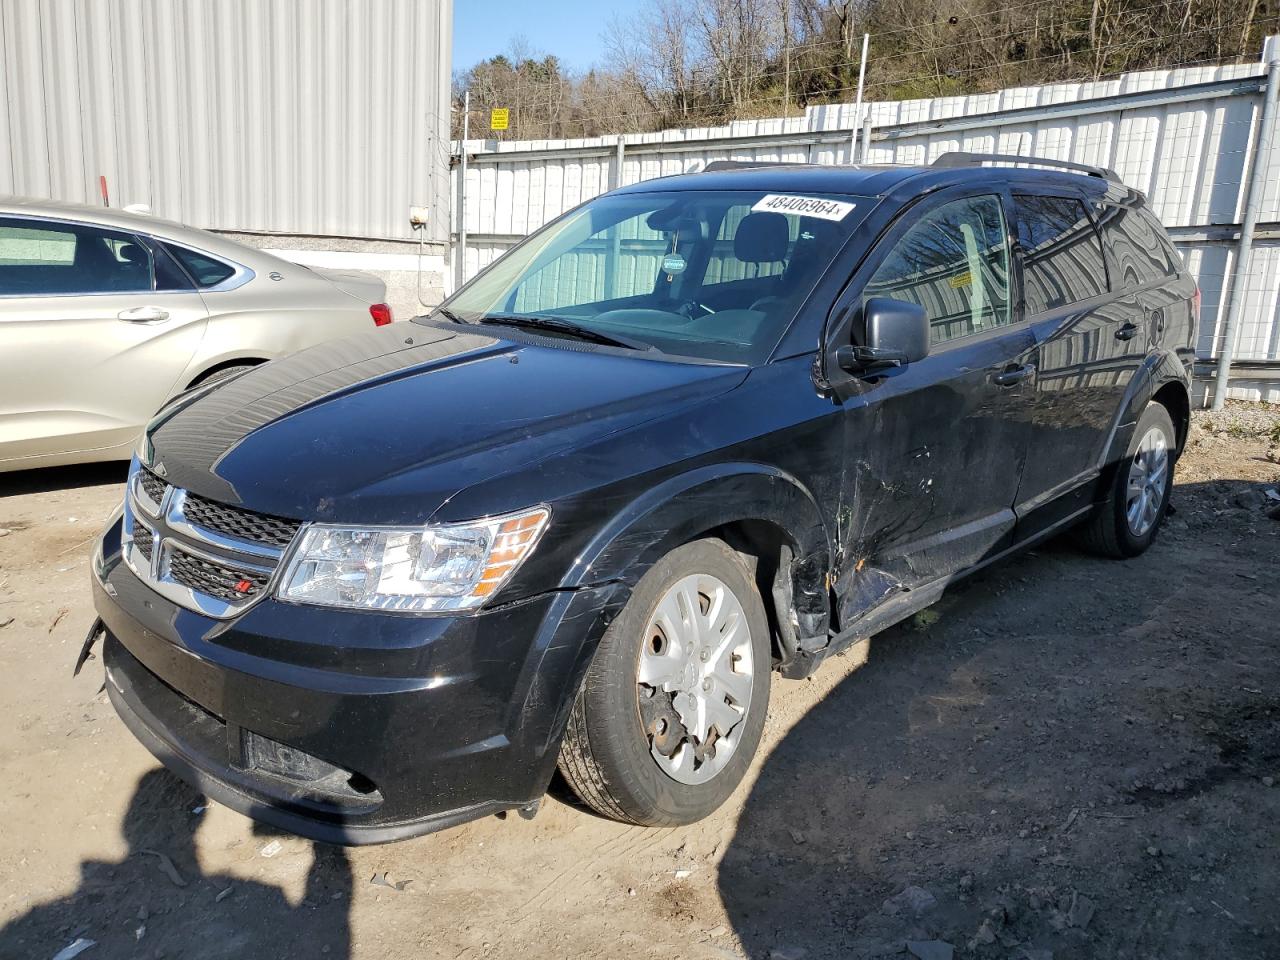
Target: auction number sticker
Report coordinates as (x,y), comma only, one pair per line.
(803,206)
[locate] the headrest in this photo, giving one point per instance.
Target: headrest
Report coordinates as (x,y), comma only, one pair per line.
(761,238)
(131,253)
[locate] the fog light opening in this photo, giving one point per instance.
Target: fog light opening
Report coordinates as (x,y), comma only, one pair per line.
(361,784)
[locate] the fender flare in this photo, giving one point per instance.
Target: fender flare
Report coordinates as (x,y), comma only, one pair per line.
(692,503)
(1158,370)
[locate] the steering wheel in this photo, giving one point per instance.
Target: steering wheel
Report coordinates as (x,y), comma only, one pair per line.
(688,307)
(765,303)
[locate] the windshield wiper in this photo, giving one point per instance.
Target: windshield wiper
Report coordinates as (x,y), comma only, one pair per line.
(566,327)
(449,315)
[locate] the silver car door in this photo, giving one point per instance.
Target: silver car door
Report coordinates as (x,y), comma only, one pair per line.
(89,347)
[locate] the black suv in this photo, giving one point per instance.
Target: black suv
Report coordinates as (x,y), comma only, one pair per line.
(694,431)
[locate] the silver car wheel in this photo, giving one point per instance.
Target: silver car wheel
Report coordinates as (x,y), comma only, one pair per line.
(1148,474)
(695,678)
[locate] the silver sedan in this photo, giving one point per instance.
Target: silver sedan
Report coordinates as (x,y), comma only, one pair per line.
(105,314)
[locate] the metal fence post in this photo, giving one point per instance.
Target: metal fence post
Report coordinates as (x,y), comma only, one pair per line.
(1255,181)
(619,156)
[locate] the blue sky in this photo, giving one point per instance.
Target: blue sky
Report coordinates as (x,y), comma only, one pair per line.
(570,29)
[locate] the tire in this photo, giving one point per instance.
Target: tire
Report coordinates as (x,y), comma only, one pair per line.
(608,752)
(1109,531)
(224,373)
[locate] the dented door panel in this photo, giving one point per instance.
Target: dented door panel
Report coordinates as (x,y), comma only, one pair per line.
(933,454)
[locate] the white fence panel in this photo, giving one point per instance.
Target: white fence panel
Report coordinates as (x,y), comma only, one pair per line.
(1183,137)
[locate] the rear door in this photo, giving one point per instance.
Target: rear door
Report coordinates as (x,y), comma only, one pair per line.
(1095,316)
(935,449)
(1083,341)
(96,325)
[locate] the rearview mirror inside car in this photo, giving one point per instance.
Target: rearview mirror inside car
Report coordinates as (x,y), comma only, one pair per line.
(897,333)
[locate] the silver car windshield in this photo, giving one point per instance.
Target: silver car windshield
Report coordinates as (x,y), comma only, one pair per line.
(715,274)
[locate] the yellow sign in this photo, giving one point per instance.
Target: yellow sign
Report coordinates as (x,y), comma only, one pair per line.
(961,280)
(499,118)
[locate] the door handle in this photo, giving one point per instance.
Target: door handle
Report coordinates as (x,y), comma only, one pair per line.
(143,315)
(1012,376)
(1127,331)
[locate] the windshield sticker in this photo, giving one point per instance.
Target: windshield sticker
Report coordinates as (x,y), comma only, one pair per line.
(673,263)
(803,206)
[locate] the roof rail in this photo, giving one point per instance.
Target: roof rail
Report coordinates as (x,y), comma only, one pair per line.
(715,165)
(958,158)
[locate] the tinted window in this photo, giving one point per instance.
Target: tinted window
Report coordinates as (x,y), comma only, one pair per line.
(954,262)
(169,276)
(1061,254)
(204,269)
(47,258)
(1140,252)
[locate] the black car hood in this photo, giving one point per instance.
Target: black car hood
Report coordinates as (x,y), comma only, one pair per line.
(386,426)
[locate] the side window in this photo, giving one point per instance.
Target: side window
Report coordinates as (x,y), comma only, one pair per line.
(1139,251)
(954,262)
(50,258)
(1061,253)
(205,270)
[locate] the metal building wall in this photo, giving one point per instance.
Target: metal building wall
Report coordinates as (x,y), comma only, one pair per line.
(1181,136)
(301,117)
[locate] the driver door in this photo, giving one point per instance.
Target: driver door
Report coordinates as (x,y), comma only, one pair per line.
(934,449)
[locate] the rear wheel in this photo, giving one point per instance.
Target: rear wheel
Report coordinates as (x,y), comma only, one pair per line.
(1127,522)
(673,705)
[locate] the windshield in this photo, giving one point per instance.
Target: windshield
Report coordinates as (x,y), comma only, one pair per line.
(715,275)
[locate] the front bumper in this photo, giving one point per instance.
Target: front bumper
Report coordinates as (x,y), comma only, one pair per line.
(348,726)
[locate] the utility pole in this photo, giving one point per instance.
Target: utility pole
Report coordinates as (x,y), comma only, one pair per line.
(786,54)
(460,269)
(857,106)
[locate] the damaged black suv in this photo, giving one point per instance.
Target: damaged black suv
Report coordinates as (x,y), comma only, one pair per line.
(695,431)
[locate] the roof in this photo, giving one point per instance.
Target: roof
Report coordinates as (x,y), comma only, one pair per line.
(123,220)
(856,179)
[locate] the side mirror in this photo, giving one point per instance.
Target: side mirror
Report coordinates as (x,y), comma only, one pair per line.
(897,333)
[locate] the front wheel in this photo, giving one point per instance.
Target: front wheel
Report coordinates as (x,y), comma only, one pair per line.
(1126,523)
(673,705)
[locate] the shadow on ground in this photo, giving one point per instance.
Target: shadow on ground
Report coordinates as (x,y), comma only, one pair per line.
(204,915)
(1065,758)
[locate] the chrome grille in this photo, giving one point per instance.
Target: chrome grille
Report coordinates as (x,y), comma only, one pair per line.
(214,579)
(236,522)
(152,485)
(201,554)
(144,540)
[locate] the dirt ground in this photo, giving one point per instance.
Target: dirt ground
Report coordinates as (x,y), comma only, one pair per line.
(1066,757)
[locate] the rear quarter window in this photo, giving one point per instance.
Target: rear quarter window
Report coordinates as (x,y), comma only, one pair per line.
(1139,248)
(1062,259)
(205,270)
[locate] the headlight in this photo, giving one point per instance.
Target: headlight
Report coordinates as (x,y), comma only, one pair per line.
(448,567)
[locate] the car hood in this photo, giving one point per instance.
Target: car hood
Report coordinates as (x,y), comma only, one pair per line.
(385,427)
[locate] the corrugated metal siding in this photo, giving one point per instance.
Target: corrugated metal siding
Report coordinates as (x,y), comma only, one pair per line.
(1188,157)
(314,117)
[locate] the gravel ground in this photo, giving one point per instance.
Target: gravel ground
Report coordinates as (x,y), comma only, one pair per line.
(1064,758)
